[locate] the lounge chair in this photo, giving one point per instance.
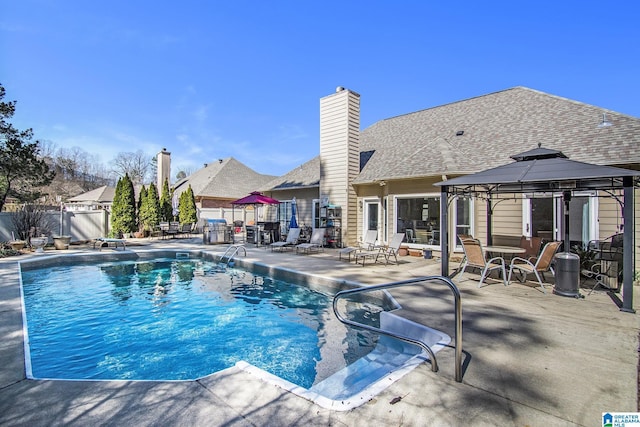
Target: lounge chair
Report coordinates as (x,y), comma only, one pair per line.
(391,250)
(292,240)
(537,266)
(316,243)
(105,242)
(369,241)
(474,257)
(367,244)
(385,251)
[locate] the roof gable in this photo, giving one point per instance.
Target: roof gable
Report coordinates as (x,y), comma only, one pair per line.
(304,176)
(225,179)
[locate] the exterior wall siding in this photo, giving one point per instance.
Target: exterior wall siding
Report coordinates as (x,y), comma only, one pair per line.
(340,154)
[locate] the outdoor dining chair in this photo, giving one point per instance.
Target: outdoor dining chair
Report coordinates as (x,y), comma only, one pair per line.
(474,257)
(537,266)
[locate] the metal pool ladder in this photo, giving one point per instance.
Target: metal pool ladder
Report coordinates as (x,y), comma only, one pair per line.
(231,252)
(432,357)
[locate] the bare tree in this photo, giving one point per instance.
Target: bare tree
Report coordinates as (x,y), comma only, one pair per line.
(184,172)
(137,165)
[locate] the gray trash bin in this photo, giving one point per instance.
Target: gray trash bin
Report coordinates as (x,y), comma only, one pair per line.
(567,272)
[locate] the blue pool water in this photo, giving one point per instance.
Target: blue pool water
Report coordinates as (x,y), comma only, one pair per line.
(179,319)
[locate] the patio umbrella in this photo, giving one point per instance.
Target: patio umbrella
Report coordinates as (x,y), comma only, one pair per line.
(293,223)
(175,204)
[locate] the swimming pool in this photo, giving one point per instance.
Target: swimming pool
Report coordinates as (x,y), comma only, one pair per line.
(184,319)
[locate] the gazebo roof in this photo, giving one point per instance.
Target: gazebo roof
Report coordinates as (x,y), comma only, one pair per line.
(541,169)
(256,198)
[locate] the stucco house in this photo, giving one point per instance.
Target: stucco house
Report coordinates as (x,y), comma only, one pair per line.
(383,177)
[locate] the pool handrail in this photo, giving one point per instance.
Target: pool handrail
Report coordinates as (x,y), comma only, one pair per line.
(234,249)
(458,318)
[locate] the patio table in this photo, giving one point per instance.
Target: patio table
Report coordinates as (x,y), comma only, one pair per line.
(503,251)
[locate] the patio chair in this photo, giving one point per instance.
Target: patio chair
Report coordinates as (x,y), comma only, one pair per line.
(172,230)
(531,245)
(292,240)
(391,249)
(537,266)
(368,244)
(316,243)
(474,257)
(369,241)
(185,229)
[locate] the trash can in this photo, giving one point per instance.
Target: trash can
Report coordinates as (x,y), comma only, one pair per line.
(567,272)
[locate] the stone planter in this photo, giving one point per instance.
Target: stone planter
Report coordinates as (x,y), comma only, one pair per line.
(38,243)
(18,245)
(61,242)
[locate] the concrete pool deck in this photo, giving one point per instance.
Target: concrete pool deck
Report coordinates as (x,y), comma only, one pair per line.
(530,360)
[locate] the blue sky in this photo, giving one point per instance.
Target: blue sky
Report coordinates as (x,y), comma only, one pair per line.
(212,79)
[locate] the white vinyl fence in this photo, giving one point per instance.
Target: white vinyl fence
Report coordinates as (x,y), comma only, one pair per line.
(79,225)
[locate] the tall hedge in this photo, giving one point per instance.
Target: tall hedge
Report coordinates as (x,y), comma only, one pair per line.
(187,207)
(150,209)
(123,209)
(141,197)
(166,210)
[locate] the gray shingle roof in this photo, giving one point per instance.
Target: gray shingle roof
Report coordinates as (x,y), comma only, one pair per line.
(224,179)
(495,126)
(102,194)
(304,176)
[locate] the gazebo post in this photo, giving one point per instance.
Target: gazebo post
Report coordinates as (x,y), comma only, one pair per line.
(444,231)
(627,246)
(489,220)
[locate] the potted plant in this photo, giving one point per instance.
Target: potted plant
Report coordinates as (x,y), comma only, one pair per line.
(17,245)
(61,242)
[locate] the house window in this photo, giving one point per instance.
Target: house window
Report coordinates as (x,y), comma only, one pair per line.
(419,219)
(543,216)
(284,215)
(463,216)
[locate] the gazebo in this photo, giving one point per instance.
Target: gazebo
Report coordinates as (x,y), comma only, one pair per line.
(254,199)
(549,171)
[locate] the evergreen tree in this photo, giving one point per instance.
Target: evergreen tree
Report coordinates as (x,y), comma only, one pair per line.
(150,209)
(187,207)
(123,210)
(141,197)
(166,210)
(22,170)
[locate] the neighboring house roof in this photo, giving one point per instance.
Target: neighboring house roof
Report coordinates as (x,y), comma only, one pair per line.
(223,179)
(495,126)
(102,194)
(304,176)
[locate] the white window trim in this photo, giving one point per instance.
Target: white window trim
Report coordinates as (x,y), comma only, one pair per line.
(558,213)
